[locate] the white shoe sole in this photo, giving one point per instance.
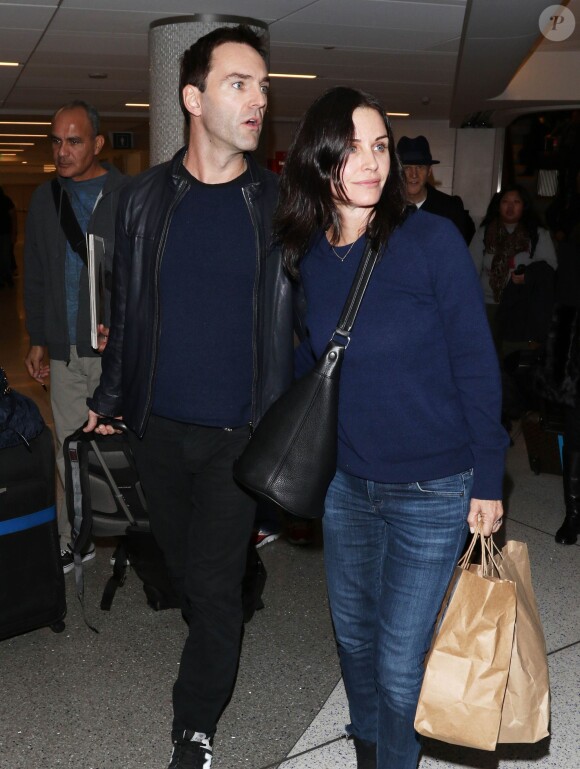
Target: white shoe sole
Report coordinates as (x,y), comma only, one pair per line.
(267,540)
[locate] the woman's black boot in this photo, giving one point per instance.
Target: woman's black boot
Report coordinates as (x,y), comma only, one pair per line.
(366,754)
(568,532)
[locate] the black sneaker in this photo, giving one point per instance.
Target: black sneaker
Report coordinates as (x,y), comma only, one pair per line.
(192,751)
(67,558)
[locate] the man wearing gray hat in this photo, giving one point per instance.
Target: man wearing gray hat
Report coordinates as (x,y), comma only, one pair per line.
(415,155)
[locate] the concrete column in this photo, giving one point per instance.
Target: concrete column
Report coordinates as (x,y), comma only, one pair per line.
(168,39)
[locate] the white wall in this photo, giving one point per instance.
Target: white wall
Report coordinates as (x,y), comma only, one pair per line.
(441,140)
(478,161)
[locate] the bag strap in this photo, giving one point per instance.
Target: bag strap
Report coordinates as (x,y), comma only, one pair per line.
(117,579)
(357,291)
(74,449)
(68,221)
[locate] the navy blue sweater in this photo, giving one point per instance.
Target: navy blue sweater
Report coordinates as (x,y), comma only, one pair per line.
(204,370)
(420,393)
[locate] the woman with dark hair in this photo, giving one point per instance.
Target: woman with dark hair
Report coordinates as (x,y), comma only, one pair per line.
(421,448)
(515,259)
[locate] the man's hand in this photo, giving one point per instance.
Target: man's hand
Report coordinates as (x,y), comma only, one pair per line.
(102,337)
(101,429)
(491,512)
(36,364)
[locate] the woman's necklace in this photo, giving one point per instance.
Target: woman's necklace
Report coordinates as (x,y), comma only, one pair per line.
(343,257)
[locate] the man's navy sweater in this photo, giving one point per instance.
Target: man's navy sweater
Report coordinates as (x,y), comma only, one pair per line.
(420,393)
(204,371)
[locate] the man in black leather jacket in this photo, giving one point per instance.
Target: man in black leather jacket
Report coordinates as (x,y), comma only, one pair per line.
(200,344)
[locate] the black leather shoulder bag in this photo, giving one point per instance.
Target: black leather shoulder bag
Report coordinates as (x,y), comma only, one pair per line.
(290,459)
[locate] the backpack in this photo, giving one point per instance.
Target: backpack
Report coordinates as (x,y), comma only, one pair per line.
(105,499)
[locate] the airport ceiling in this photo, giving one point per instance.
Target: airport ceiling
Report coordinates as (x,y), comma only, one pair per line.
(478,62)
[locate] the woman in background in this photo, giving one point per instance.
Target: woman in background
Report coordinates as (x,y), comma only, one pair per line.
(421,448)
(515,259)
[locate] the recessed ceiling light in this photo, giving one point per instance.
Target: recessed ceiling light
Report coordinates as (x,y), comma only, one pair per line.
(17,144)
(26,136)
(9,64)
(24,122)
(301,77)
(136,104)
(398,114)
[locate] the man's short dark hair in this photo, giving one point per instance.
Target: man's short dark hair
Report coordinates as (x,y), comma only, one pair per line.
(91,111)
(196,60)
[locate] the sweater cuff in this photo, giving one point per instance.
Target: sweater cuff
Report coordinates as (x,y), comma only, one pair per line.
(488,474)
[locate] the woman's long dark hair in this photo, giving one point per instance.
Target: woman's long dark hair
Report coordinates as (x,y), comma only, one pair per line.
(314,167)
(530,219)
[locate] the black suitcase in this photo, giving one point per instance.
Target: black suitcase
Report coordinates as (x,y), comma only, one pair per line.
(32,592)
(543,436)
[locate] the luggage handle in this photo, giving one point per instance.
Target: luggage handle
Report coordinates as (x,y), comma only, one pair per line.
(118,424)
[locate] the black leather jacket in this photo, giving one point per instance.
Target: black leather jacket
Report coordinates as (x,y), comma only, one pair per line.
(129,360)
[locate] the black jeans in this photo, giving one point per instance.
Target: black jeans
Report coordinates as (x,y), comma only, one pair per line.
(202,521)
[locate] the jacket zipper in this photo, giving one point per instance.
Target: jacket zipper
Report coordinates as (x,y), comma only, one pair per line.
(247,198)
(182,188)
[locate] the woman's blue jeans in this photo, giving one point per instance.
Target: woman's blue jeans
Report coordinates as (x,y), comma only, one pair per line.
(390,550)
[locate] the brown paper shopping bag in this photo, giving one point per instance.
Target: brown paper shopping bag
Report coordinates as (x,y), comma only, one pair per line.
(467,667)
(526,709)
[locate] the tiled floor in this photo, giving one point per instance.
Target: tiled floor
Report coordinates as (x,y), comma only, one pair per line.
(102,701)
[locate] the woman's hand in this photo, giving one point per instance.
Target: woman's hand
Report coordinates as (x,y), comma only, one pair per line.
(491,512)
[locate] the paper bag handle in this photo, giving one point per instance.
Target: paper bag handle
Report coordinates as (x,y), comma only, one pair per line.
(489,551)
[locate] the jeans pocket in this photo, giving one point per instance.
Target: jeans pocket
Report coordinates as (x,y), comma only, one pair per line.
(450,486)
